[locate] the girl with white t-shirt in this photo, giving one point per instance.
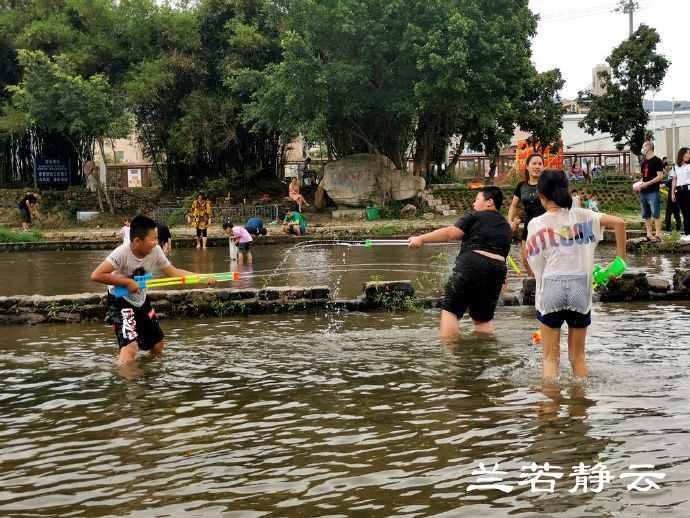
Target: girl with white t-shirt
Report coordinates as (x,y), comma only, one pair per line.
(560,250)
(680,188)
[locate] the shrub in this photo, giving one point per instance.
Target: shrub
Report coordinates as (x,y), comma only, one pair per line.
(16,236)
(177,218)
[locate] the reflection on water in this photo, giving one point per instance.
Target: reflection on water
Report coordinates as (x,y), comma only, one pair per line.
(274,415)
(344,269)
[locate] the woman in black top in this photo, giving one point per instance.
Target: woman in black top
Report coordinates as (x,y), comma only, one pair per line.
(526,192)
(28,207)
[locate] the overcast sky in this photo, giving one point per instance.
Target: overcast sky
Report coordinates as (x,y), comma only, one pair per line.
(575,35)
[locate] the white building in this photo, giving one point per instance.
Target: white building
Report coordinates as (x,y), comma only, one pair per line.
(671,131)
(597,84)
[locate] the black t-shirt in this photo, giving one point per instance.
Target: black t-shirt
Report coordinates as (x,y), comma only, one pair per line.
(529,196)
(163,233)
(30,198)
(650,170)
(485,230)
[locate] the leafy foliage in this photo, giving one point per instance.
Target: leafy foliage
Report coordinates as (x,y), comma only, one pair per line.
(216,88)
(636,68)
(400,76)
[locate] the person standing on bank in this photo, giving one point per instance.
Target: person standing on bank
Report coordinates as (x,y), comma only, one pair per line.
(650,200)
(672,208)
(28,209)
(680,189)
(200,216)
(526,192)
(480,268)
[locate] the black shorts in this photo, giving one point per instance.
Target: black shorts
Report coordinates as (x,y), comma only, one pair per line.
(133,324)
(244,247)
(25,215)
(572,318)
(476,285)
(201,232)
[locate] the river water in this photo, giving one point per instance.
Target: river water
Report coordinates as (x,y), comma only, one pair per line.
(345,414)
(345,269)
(292,415)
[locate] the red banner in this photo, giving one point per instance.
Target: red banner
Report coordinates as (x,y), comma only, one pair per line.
(552,159)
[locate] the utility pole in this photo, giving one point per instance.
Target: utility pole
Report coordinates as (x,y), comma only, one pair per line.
(629,7)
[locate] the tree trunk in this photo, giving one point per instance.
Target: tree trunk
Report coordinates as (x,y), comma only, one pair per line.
(103,180)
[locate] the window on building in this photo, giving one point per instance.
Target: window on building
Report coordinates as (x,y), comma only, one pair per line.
(119,156)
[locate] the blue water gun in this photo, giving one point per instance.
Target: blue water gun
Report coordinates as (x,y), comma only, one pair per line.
(121,291)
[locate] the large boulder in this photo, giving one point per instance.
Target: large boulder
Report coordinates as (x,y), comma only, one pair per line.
(361,180)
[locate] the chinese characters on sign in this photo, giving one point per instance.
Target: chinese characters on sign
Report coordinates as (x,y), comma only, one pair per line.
(542,478)
(134,177)
(52,172)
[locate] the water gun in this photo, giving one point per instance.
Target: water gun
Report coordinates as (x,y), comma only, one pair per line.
(514,265)
(536,337)
(601,277)
(147,281)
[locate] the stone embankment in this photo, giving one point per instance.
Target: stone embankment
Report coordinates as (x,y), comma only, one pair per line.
(380,295)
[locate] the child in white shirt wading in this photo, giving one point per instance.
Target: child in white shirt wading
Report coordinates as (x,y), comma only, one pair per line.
(560,251)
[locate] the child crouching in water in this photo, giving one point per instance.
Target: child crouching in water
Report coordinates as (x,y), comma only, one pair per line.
(560,250)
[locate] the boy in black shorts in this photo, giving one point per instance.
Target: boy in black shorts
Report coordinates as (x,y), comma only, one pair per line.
(480,269)
(135,321)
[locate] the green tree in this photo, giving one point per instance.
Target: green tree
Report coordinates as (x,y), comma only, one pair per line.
(477,82)
(54,99)
(96,37)
(636,68)
(394,76)
(347,74)
(187,98)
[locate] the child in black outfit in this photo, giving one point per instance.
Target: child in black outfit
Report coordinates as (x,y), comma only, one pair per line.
(480,269)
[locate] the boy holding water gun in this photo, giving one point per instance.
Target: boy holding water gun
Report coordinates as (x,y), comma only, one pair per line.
(480,268)
(134,320)
(560,250)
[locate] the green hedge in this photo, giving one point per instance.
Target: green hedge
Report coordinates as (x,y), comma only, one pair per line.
(8,235)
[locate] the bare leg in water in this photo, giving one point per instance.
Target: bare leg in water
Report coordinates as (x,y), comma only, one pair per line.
(449,330)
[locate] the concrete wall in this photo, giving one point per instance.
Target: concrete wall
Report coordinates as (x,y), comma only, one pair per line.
(78,198)
(381,295)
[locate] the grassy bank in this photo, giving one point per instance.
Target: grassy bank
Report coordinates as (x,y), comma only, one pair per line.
(17,236)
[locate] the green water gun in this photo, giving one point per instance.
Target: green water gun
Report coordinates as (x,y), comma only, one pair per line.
(601,277)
